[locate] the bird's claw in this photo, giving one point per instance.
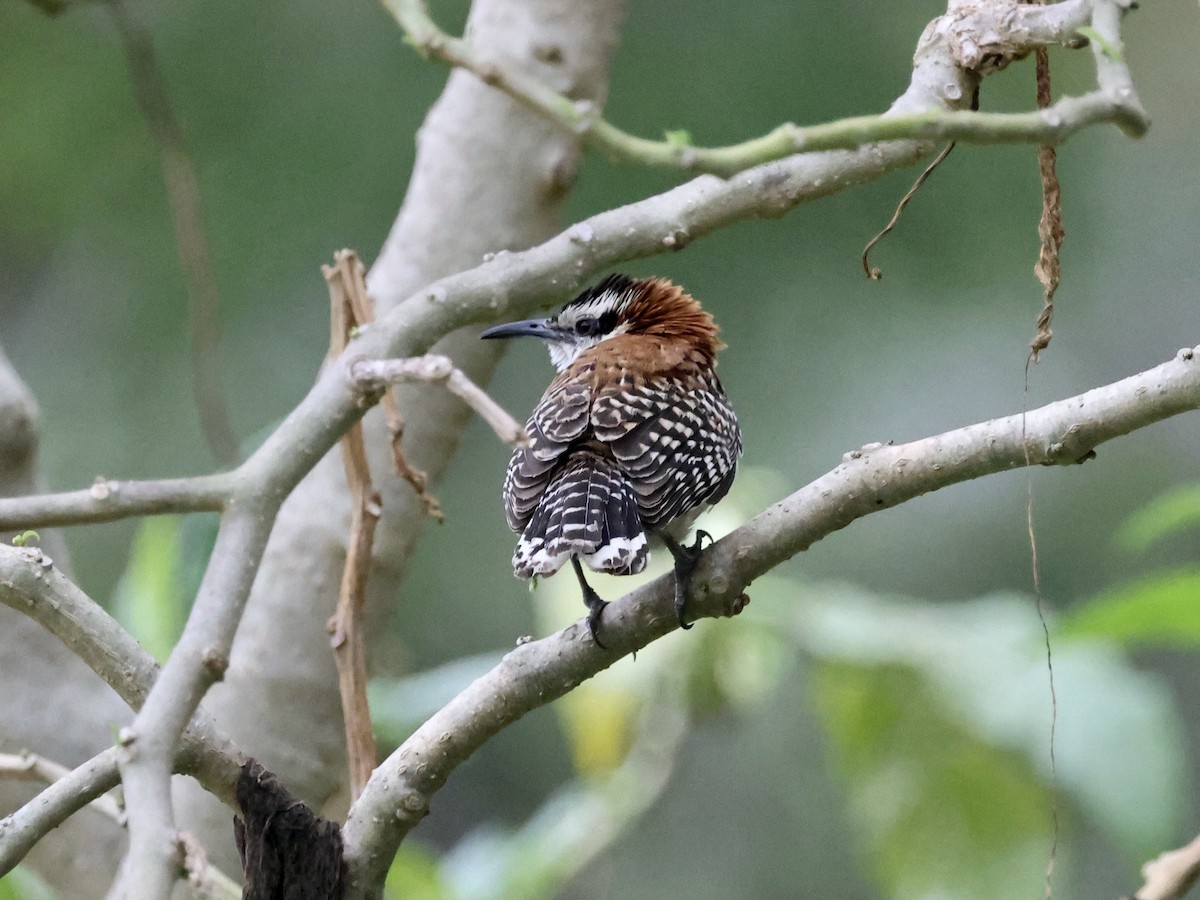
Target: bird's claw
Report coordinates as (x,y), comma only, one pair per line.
(686,558)
(595,610)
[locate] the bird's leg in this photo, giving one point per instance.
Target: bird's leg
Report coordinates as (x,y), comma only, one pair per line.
(594,604)
(685,563)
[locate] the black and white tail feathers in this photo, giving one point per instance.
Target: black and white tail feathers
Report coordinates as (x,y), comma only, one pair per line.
(587,510)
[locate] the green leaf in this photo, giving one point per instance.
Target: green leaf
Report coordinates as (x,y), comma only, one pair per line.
(22,883)
(678,138)
(1162,609)
(1173,512)
(933,707)
(414,875)
(938,807)
(147,600)
(166,565)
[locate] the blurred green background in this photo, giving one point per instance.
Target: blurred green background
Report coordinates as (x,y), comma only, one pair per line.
(836,741)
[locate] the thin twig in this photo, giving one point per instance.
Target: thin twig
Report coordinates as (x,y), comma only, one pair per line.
(350,309)
(358,309)
(1050,234)
(108,500)
(374,375)
(183,194)
(30,766)
(206,881)
(873,273)
(680,155)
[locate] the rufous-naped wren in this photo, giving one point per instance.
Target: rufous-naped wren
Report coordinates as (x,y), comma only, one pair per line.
(633,439)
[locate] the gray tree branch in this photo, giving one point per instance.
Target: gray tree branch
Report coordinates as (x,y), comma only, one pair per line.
(874,478)
(30,583)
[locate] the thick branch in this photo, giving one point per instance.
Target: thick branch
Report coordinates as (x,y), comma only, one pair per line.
(198,660)
(868,480)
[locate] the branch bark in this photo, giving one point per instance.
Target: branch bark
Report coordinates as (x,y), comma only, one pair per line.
(868,480)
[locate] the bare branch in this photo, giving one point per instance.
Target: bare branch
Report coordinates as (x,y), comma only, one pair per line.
(30,766)
(108,501)
(1170,875)
(197,661)
(373,375)
(30,583)
(868,480)
(974,46)
(206,881)
(22,829)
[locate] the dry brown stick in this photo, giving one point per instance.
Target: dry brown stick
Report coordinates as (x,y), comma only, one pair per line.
(363,310)
(873,273)
(349,308)
(1170,875)
(1050,227)
(183,195)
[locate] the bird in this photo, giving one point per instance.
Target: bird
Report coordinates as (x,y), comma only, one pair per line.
(632,440)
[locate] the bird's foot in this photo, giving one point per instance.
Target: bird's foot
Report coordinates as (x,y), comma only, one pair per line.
(595,610)
(593,602)
(686,558)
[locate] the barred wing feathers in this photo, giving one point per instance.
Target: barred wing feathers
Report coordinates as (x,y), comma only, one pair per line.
(676,438)
(607,459)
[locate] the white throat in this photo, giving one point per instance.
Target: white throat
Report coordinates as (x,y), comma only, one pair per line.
(563,353)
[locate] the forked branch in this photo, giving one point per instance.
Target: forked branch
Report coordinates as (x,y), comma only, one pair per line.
(975,48)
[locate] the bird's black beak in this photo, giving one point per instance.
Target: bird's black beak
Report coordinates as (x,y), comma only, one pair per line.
(538,328)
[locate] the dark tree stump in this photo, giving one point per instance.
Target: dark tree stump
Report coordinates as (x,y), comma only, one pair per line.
(288,851)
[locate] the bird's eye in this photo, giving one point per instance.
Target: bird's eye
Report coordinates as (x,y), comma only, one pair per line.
(587,327)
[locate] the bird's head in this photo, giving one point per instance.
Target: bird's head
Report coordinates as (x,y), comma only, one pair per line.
(618,305)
